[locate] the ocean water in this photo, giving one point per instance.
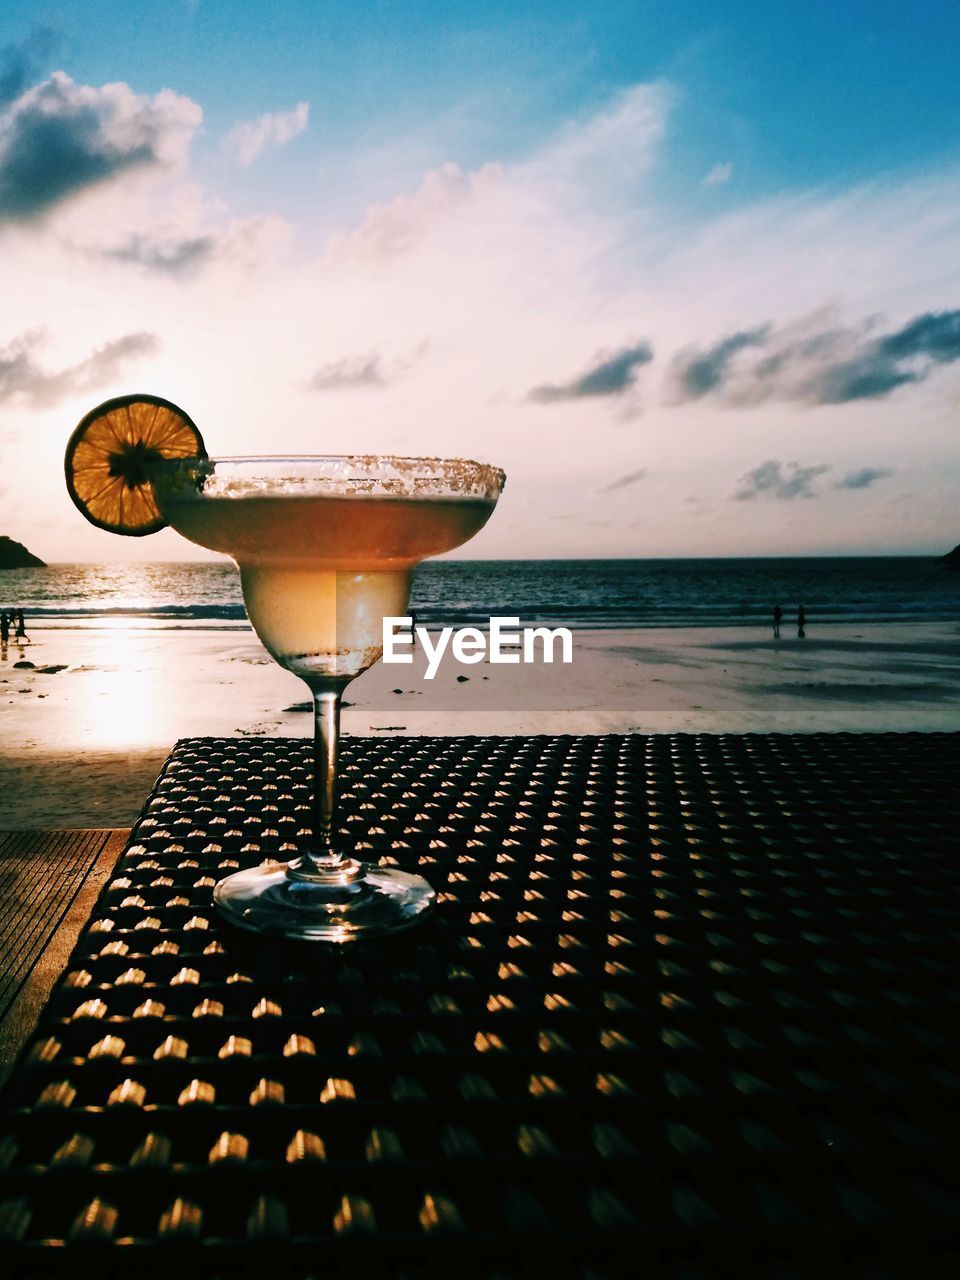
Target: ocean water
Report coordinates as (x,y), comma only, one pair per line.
(573,593)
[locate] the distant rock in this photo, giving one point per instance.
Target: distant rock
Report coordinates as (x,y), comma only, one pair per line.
(14,555)
(25,664)
(951,560)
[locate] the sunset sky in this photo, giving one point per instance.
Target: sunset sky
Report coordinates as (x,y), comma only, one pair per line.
(689,272)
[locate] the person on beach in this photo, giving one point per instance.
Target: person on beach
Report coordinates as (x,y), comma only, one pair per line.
(777,615)
(21,626)
(4,627)
(801,622)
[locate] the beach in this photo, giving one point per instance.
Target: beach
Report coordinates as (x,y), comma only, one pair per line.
(86,728)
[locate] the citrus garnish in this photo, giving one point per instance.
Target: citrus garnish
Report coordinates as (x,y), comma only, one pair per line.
(109,456)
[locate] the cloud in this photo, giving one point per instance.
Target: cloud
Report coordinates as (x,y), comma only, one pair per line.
(401,224)
(907,355)
(781,480)
(107,362)
(174,256)
(624,481)
(181,242)
(22,63)
(598,159)
(349,374)
(718,175)
(935,335)
(60,138)
(609,149)
(812,365)
(863,478)
(696,373)
(610,375)
(267,133)
(20,375)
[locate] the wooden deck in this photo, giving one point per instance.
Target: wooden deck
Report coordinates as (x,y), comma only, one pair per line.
(49,882)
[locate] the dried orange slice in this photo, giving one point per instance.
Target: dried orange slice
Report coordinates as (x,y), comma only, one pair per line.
(108,459)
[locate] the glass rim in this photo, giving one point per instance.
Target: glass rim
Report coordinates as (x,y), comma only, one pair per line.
(331,457)
(355,473)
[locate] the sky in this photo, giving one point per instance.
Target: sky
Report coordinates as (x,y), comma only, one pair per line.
(689,273)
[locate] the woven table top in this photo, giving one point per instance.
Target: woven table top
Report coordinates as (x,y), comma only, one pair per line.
(688,1006)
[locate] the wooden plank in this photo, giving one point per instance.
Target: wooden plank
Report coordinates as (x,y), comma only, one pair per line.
(49,883)
(41,879)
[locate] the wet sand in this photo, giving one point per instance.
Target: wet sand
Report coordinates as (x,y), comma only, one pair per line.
(85,730)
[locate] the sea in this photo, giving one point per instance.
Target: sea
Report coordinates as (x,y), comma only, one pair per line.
(580,594)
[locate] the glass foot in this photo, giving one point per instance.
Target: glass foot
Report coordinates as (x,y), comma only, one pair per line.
(268,900)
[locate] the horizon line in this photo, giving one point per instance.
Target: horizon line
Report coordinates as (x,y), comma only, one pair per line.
(560,559)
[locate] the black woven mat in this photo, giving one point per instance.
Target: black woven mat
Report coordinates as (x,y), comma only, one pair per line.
(688,1006)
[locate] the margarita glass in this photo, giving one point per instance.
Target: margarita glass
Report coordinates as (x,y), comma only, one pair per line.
(326,548)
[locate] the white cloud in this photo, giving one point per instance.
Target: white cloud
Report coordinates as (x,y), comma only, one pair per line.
(401,223)
(781,480)
(348,374)
(817,360)
(23,379)
(718,175)
(864,477)
(267,133)
(624,481)
(588,169)
(610,150)
(183,249)
(60,138)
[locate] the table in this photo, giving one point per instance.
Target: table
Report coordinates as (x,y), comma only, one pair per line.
(688,1007)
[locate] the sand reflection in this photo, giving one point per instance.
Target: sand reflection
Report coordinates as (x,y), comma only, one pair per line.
(123,700)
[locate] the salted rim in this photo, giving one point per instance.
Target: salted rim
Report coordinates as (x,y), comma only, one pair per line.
(386,475)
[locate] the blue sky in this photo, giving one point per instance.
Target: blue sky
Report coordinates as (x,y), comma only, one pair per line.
(688,270)
(799,93)
(869,82)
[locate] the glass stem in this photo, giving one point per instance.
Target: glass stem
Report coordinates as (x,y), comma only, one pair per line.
(324,859)
(326,744)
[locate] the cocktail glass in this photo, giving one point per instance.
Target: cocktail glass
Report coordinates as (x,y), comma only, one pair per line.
(326,548)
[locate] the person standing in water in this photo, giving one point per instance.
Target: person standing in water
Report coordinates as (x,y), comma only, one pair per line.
(801,622)
(4,627)
(777,615)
